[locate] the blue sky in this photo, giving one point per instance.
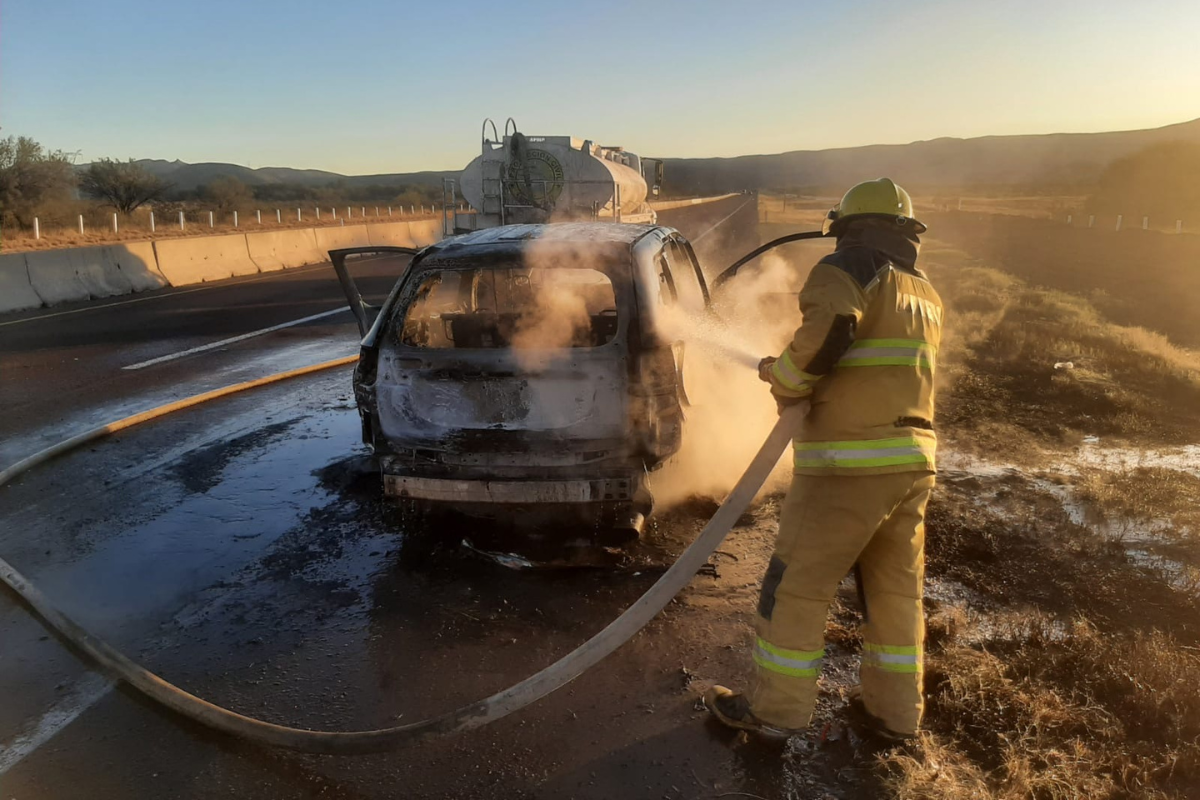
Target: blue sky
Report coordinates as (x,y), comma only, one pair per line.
(364,86)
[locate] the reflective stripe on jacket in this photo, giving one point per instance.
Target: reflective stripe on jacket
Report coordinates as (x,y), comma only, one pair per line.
(866,355)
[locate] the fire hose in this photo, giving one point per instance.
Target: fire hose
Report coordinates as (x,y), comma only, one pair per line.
(474,715)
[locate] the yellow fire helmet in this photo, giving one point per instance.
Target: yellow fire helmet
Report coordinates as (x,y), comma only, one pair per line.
(880,198)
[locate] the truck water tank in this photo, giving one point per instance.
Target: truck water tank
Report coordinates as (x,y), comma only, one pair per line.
(544,176)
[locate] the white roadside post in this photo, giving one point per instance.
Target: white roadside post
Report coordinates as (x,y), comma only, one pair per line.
(1145,223)
(210,219)
(181,220)
(1091,220)
(348,214)
(960,204)
(1069,219)
(37,229)
(377,211)
(1119,217)
(343,222)
(1178,225)
(318,212)
(333,212)
(389,211)
(364,211)
(115,222)
(235,219)
(81,224)
(412,210)
(258,215)
(152,222)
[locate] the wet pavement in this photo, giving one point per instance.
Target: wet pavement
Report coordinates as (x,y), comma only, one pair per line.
(244,552)
(67,368)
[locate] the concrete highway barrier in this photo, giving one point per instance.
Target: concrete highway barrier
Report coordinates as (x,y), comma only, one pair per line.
(46,277)
(276,250)
(82,273)
(393,234)
(204,258)
(426,232)
(55,275)
(137,262)
(338,238)
(16,292)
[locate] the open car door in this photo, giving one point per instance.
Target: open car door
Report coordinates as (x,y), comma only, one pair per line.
(380,269)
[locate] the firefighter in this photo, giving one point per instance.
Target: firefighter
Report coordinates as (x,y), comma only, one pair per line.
(864,360)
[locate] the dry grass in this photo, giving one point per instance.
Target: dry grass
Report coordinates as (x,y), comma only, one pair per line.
(1016,205)
(801,212)
(1048,363)
(1142,494)
(1077,673)
(1038,712)
(1054,206)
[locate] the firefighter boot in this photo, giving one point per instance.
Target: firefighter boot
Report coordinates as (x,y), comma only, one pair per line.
(732,710)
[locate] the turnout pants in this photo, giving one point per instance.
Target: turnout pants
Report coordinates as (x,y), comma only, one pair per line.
(826,526)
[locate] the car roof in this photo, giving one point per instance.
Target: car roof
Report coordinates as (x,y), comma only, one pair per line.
(509,237)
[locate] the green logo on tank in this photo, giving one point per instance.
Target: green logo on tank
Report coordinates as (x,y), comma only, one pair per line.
(537,180)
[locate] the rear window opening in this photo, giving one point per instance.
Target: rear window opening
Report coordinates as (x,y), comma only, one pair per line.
(510,307)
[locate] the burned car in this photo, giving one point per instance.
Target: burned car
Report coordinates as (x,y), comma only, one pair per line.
(529,367)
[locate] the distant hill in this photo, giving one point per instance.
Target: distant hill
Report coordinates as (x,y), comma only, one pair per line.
(1032,160)
(186,177)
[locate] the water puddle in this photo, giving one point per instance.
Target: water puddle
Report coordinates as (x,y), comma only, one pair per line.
(1142,539)
(1185,458)
(247,499)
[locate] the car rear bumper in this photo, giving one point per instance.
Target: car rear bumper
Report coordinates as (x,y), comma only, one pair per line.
(521,492)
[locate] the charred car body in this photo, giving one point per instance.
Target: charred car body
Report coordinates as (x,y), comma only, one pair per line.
(529,366)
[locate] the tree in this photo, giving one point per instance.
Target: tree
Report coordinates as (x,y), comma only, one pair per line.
(30,175)
(228,194)
(124,185)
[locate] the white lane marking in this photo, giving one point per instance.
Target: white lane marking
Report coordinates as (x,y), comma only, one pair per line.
(719,224)
(214,345)
(215,285)
(85,694)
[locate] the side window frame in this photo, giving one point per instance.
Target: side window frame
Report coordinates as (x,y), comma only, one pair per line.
(683,259)
(668,294)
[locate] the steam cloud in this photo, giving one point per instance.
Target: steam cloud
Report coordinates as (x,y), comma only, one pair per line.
(731,410)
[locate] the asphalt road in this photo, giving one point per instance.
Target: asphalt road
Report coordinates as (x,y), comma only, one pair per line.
(243,551)
(69,366)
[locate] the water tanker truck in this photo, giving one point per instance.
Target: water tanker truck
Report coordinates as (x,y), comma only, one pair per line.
(535,179)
